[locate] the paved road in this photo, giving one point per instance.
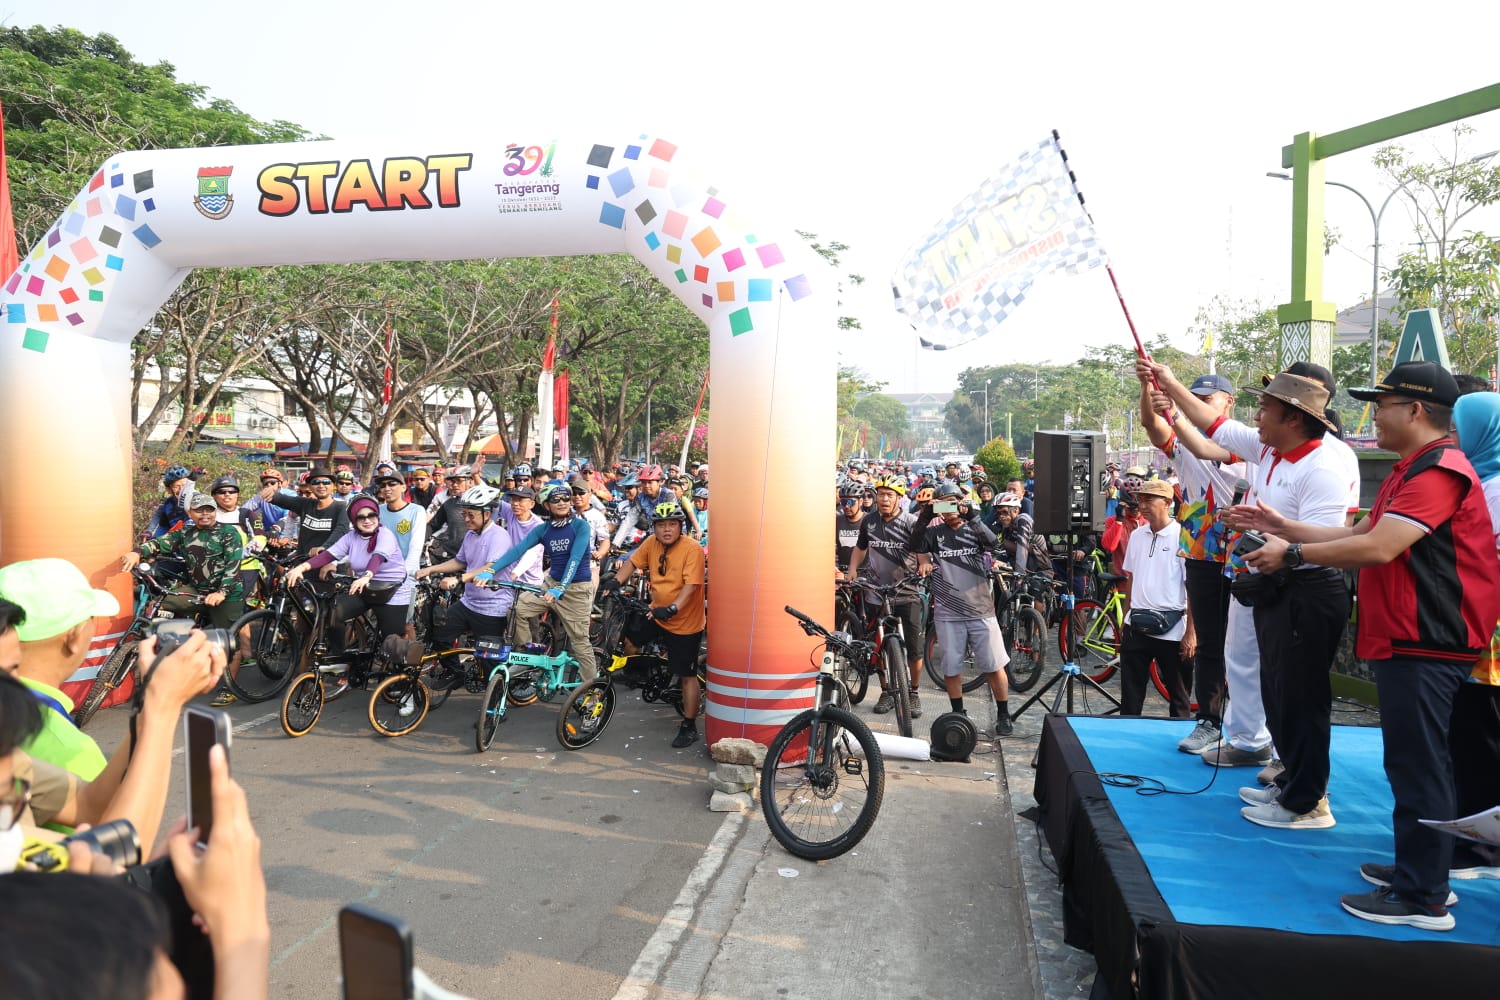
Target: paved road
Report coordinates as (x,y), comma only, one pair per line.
(530,871)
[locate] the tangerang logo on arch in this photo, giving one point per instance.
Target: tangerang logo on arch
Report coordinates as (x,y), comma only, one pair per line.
(398,182)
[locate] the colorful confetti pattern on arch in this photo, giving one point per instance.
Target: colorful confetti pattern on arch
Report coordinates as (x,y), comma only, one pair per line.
(70,271)
(697,233)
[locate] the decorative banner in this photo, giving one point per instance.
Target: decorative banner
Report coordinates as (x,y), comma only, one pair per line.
(144,219)
(560,413)
(978,264)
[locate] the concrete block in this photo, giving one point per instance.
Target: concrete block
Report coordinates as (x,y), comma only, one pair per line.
(729,787)
(723,802)
(741,773)
(733,750)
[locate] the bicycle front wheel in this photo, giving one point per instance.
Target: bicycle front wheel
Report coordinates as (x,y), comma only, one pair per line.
(398,705)
(1093,641)
(273,651)
(585,714)
(303,704)
(120,665)
(1028,653)
(972,678)
(822,783)
(493,710)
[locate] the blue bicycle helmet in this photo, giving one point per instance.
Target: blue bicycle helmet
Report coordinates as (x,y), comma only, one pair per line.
(174,473)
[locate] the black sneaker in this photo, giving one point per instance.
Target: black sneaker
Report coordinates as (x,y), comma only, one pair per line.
(1383,875)
(1385,907)
(686,736)
(1003,726)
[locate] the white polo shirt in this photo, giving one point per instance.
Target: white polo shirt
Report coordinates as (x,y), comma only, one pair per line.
(1316,482)
(1158,573)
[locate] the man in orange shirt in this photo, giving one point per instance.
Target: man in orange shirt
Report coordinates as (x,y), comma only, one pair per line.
(676,567)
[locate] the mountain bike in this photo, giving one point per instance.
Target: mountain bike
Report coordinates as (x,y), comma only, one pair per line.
(888,650)
(824,778)
(1022,629)
(276,636)
(1091,637)
(152,587)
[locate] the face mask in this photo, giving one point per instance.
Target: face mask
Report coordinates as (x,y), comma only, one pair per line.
(11,843)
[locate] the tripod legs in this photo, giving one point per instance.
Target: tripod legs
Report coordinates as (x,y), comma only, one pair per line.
(1067,675)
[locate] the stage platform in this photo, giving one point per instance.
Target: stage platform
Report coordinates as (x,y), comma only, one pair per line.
(1178,896)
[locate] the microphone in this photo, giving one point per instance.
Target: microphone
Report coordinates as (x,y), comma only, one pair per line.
(1241,488)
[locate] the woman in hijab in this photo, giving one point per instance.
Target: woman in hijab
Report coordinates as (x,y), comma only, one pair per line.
(374,558)
(1474,730)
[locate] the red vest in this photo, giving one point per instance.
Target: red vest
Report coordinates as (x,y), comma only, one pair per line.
(1439,599)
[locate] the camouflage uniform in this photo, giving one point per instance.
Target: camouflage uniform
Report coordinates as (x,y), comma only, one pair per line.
(213,564)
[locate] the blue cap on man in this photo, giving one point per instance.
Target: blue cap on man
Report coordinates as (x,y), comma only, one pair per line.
(1207,385)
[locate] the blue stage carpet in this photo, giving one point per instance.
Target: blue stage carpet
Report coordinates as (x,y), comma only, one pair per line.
(1214,867)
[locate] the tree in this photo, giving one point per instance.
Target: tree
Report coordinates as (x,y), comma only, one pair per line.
(831,252)
(72,101)
(884,414)
(1452,270)
(999,461)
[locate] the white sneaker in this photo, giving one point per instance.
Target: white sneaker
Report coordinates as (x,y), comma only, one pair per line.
(1259,796)
(408,707)
(1203,736)
(1278,817)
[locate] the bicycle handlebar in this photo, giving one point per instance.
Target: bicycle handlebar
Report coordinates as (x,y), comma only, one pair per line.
(494,584)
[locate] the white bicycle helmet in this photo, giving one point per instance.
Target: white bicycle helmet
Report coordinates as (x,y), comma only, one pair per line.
(480,497)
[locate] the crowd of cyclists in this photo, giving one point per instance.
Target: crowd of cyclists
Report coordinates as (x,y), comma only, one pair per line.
(561,530)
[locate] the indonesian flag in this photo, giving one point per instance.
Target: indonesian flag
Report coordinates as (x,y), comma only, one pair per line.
(9,258)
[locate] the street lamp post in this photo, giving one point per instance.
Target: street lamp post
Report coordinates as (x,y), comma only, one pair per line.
(1375,218)
(987,434)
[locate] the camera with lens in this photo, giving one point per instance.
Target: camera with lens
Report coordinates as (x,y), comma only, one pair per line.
(174,632)
(116,840)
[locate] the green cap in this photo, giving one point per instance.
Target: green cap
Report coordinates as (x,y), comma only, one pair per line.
(56,596)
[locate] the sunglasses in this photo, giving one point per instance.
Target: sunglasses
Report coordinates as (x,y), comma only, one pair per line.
(661,565)
(320,482)
(367,517)
(14,804)
(226,493)
(270,482)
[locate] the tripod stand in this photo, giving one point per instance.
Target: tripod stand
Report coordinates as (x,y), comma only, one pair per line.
(1066,677)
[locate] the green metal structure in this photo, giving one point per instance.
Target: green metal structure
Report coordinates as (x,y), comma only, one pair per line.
(1307,321)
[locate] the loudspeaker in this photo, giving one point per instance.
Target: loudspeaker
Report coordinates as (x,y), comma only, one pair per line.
(1070,482)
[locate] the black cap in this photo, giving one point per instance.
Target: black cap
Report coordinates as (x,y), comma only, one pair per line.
(524,492)
(223,482)
(1426,381)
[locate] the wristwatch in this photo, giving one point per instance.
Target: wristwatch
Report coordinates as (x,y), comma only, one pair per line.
(672,608)
(1293,557)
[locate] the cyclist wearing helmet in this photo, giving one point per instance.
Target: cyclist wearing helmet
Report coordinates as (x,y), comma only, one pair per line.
(677,572)
(884,551)
(564,539)
(344,484)
(846,526)
(172,513)
(480,611)
(322,520)
(1018,487)
(963,602)
(1020,545)
(641,510)
(700,507)
(252,529)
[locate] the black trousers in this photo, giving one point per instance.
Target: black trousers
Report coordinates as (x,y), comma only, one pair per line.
(1474,748)
(1416,697)
(1137,650)
(1208,597)
(1298,638)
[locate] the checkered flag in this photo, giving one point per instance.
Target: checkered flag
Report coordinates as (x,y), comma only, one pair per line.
(976,266)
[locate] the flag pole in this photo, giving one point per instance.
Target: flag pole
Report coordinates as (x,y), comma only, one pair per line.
(1140,348)
(692,425)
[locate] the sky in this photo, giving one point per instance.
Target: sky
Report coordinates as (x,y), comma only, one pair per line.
(865,123)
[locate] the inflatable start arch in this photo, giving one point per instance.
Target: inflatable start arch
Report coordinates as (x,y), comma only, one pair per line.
(146,218)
